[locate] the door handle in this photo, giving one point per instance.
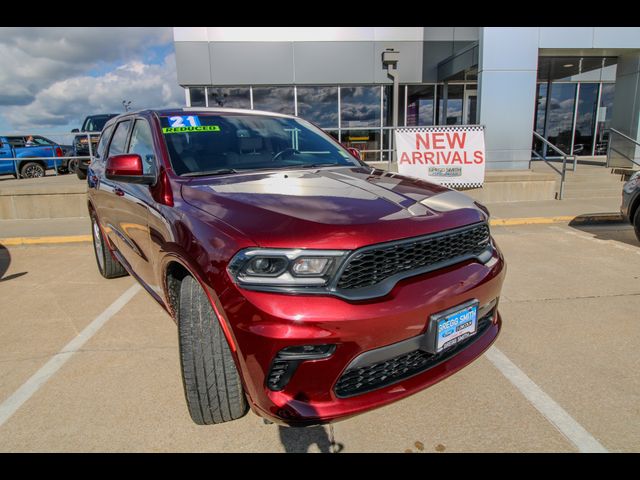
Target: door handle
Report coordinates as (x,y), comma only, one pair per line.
(118,191)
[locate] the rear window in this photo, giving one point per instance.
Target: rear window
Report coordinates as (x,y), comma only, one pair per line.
(210,144)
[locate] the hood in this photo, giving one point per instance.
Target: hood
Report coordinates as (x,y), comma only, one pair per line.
(344,207)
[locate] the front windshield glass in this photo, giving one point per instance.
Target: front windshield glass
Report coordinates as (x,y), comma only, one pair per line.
(96,123)
(219,144)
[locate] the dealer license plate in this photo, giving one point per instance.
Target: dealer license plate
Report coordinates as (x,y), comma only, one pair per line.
(455,327)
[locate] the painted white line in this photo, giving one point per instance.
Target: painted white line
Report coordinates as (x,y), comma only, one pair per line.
(572,430)
(609,243)
(31,386)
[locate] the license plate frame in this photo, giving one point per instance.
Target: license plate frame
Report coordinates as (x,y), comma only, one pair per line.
(462,324)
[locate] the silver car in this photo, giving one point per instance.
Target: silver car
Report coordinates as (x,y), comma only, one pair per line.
(630,207)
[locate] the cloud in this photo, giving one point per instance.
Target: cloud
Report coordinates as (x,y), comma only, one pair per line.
(70,100)
(35,58)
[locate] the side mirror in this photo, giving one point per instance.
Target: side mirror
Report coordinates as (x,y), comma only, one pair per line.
(127,168)
(75,130)
(354,152)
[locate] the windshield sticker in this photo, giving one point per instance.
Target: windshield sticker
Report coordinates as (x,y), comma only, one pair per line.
(203,128)
(190,121)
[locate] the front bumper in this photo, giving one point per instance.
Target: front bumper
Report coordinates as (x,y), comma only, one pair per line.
(264,323)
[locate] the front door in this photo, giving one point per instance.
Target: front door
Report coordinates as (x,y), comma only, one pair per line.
(470,113)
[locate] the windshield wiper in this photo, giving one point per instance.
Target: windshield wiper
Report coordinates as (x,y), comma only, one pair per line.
(316,165)
(219,171)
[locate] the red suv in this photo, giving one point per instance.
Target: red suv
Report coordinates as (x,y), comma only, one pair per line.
(304,283)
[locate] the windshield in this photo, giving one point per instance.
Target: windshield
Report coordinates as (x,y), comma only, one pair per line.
(217,144)
(96,123)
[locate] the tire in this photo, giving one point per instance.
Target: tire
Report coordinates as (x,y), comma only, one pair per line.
(212,385)
(108,266)
(636,223)
(32,170)
(72,166)
(81,175)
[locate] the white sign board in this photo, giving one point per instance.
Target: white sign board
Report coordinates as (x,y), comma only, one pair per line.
(453,156)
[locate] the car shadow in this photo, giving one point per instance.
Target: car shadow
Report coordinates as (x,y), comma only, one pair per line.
(299,439)
(620,232)
(5,261)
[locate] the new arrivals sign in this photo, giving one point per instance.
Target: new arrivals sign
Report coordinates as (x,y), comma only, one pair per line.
(449,155)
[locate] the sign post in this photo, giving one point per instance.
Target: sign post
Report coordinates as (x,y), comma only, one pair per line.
(453,156)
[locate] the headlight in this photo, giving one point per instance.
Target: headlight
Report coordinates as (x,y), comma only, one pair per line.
(633,182)
(285,267)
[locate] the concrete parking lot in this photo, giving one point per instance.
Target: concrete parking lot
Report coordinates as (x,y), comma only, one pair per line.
(562,377)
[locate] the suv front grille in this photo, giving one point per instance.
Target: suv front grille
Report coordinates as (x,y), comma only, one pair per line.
(371,377)
(374,265)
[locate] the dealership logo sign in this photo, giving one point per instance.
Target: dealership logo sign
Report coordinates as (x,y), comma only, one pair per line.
(448,155)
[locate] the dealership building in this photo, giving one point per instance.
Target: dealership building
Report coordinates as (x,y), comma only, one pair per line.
(570,85)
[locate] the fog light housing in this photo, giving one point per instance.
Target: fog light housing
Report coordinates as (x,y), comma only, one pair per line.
(288,359)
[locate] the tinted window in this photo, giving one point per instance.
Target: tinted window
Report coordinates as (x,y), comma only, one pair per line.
(102,144)
(142,144)
(205,143)
(196,94)
(42,141)
(229,97)
(274,99)
(319,105)
(96,123)
(360,106)
(119,138)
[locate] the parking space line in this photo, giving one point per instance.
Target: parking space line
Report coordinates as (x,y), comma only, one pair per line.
(612,243)
(31,386)
(565,423)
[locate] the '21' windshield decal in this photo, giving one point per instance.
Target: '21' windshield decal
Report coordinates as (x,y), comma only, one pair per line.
(190,121)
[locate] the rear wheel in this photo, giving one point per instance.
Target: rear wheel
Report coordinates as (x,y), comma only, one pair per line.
(108,266)
(31,170)
(72,165)
(212,385)
(636,222)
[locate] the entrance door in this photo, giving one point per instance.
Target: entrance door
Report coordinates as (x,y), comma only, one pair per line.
(470,107)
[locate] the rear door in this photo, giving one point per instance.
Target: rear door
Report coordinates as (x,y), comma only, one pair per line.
(6,166)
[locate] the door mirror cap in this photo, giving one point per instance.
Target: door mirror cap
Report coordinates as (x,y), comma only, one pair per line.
(75,130)
(354,152)
(127,168)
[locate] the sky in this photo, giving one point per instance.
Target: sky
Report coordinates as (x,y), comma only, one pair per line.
(51,78)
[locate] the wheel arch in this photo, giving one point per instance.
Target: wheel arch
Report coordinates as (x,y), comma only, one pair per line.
(175,269)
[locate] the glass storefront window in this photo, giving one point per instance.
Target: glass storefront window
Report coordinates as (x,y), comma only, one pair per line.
(541,110)
(367,141)
(454,100)
(274,99)
(319,105)
(229,97)
(196,95)
(360,106)
(586,119)
(387,105)
(604,118)
(420,105)
(560,112)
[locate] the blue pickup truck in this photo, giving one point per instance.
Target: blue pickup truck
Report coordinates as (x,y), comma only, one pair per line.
(32,161)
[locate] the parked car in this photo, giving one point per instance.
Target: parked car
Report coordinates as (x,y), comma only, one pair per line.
(630,207)
(92,125)
(33,160)
(304,283)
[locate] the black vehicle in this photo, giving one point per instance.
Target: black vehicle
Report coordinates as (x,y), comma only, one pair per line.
(93,124)
(630,207)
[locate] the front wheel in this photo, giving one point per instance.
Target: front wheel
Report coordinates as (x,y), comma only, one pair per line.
(212,385)
(82,175)
(72,166)
(31,170)
(636,222)
(108,266)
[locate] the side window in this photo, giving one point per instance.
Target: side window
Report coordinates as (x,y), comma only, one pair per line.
(119,140)
(142,144)
(102,144)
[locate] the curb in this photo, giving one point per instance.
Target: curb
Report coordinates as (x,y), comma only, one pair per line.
(587,219)
(17,241)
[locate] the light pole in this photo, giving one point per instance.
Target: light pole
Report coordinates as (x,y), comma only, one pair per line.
(126,104)
(390,59)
